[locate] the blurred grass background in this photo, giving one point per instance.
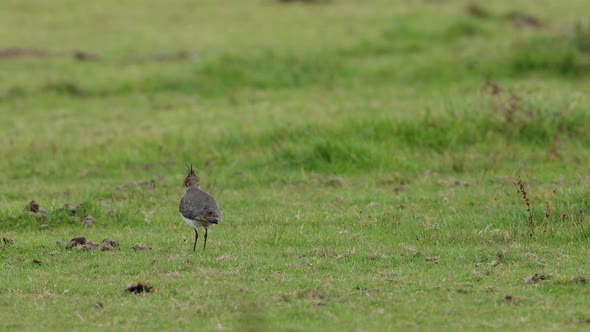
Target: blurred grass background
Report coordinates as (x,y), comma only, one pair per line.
(353,147)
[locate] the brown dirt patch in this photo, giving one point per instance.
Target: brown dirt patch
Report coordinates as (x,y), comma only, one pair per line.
(536,278)
(15,53)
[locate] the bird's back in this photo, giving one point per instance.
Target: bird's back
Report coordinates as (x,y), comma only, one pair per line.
(197,204)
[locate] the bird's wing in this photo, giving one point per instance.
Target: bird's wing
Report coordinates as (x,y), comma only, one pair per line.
(197,204)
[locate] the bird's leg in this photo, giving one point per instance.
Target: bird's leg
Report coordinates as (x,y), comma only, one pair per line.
(204,244)
(196,237)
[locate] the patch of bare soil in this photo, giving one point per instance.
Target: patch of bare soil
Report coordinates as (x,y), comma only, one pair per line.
(452,182)
(477,11)
(141,246)
(329,181)
(433,259)
(500,258)
(513,299)
(147,184)
(85,56)
(524,20)
(307,2)
(319,298)
(178,56)
(580,280)
(536,278)
(15,53)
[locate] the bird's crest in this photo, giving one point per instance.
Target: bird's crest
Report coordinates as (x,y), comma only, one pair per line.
(192,179)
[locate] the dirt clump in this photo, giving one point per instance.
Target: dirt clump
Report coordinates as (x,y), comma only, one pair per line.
(141,246)
(139,288)
(35,210)
(14,53)
(536,278)
(83,244)
(108,245)
(84,56)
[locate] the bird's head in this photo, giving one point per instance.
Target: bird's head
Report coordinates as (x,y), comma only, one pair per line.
(192,179)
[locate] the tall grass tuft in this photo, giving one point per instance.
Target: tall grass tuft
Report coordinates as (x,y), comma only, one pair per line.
(531,221)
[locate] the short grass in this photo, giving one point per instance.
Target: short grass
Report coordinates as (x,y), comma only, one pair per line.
(365,156)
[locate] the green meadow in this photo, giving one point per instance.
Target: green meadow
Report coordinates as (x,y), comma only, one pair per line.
(381,165)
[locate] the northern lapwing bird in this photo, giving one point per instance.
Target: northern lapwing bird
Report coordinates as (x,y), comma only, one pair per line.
(198,208)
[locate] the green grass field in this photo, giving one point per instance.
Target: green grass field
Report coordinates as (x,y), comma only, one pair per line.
(365,155)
